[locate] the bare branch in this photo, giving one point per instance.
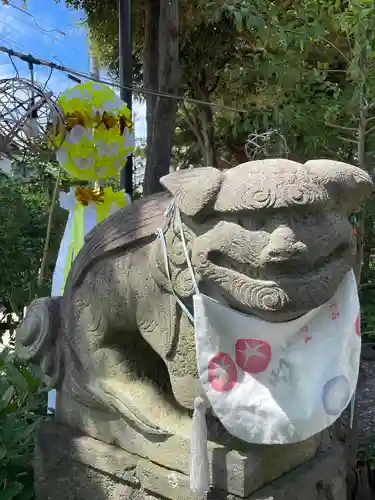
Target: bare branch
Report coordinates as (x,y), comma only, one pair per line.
(348,139)
(193,123)
(49,229)
(225,162)
(214,85)
(341,127)
(336,48)
(370,130)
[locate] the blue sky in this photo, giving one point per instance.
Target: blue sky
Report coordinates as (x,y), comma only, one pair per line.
(50,32)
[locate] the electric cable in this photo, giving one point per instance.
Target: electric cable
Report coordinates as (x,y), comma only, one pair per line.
(29,58)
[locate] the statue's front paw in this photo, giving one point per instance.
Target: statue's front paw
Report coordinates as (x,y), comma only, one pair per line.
(38,340)
(123,399)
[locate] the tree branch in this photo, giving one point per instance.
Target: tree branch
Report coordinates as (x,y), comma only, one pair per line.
(341,127)
(225,162)
(192,121)
(370,130)
(348,139)
(369,106)
(214,85)
(49,229)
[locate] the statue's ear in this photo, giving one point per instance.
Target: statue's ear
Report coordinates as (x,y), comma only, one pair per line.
(348,185)
(193,189)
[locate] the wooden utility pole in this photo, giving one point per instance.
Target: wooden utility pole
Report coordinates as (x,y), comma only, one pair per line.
(126,78)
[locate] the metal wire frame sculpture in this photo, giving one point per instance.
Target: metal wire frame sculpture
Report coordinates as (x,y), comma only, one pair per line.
(263,145)
(27,113)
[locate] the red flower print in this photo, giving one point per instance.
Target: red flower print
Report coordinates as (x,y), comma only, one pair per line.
(334,311)
(355,231)
(305,331)
(252,355)
(357,325)
(222,372)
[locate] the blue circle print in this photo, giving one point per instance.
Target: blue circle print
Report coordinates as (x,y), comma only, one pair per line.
(336,394)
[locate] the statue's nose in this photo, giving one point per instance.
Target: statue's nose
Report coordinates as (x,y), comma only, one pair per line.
(283,245)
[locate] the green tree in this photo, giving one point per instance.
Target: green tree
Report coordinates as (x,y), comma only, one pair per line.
(25,200)
(156,46)
(283,63)
(24,212)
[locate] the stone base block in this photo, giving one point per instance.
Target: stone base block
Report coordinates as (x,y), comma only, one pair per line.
(69,466)
(235,466)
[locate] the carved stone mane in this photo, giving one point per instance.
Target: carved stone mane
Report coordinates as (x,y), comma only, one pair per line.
(134,225)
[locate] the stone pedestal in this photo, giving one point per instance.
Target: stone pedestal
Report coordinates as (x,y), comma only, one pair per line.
(69,466)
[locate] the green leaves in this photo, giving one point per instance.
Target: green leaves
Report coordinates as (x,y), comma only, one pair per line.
(6,398)
(12,491)
(239,20)
(23,220)
(16,378)
(23,405)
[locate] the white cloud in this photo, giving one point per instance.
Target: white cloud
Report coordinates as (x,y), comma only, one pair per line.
(6,71)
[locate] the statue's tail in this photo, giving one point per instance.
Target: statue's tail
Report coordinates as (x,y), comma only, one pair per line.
(38,338)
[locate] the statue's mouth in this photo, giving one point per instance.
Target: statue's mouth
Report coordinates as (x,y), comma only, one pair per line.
(287,287)
(282,267)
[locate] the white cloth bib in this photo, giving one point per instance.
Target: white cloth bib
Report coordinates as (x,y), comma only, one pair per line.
(275,383)
(279,383)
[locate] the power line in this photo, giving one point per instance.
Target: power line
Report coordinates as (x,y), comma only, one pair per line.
(35,21)
(17,30)
(33,27)
(9,40)
(8,26)
(42,30)
(36,27)
(29,58)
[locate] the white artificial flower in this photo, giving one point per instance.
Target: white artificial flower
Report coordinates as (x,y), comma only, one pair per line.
(78,133)
(83,163)
(113,208)
(105,148)
(98,86)
(101,171)
(110,105)
(62,156)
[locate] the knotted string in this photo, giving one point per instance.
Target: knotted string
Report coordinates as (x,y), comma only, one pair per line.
(199,464)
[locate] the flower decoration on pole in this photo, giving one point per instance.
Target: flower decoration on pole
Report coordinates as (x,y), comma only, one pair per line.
(93,142)
(98,129)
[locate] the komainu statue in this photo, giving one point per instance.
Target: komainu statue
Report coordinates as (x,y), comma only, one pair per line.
(268,240)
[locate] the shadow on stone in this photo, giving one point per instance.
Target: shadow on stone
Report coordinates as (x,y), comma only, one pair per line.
(219,470)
